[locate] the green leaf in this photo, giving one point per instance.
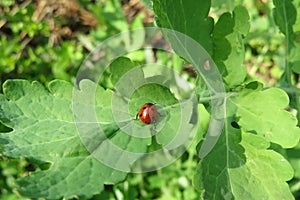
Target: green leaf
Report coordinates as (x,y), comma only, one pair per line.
(296,66)
(186,17)
(262,112)
(75,132)
(236,168)
(228,47)
(293,157)
(152,93)
(253,174)
(212,174)
(119,67)
(229,50)
(44,131)
(284,15)
(171,112)
(242,20)
(222,47)
(81,175)
(294,94)
(296,26)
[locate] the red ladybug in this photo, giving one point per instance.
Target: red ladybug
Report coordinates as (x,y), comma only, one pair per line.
(148,114)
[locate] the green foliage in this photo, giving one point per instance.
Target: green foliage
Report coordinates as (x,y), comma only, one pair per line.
(230,164)
(236,169)
(32,51)
(11,170)
(52,136)
(255,157)
(9,54)
(285,16)
(176,15)
(270,126)
(223,42)
(28,54)
(228,34)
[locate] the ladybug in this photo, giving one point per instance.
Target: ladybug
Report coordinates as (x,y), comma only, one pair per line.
(148,114)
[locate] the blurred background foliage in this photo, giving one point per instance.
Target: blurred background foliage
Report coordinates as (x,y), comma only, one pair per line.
(49,39)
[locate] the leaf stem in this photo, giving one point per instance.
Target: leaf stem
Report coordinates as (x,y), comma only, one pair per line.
(218,96)
(288,72)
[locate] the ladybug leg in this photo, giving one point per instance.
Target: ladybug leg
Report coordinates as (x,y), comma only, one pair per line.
(153,129)
(154,124)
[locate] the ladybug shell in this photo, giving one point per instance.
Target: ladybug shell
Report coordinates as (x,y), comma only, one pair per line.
(148,113)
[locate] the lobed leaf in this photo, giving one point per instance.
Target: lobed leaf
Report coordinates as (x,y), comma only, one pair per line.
(286,18)
(229,50)
(80,176)
(262,112)
(44,130)
(185,17)
(75,132)
(284,15)
(236,168)
(226,48)
(296,26)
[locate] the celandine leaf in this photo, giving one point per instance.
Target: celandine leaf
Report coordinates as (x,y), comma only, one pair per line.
(79,134)
(187,17)
(213,173)
(241,167)
(262,112)
(284,15)
(44,130)
(229,52)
